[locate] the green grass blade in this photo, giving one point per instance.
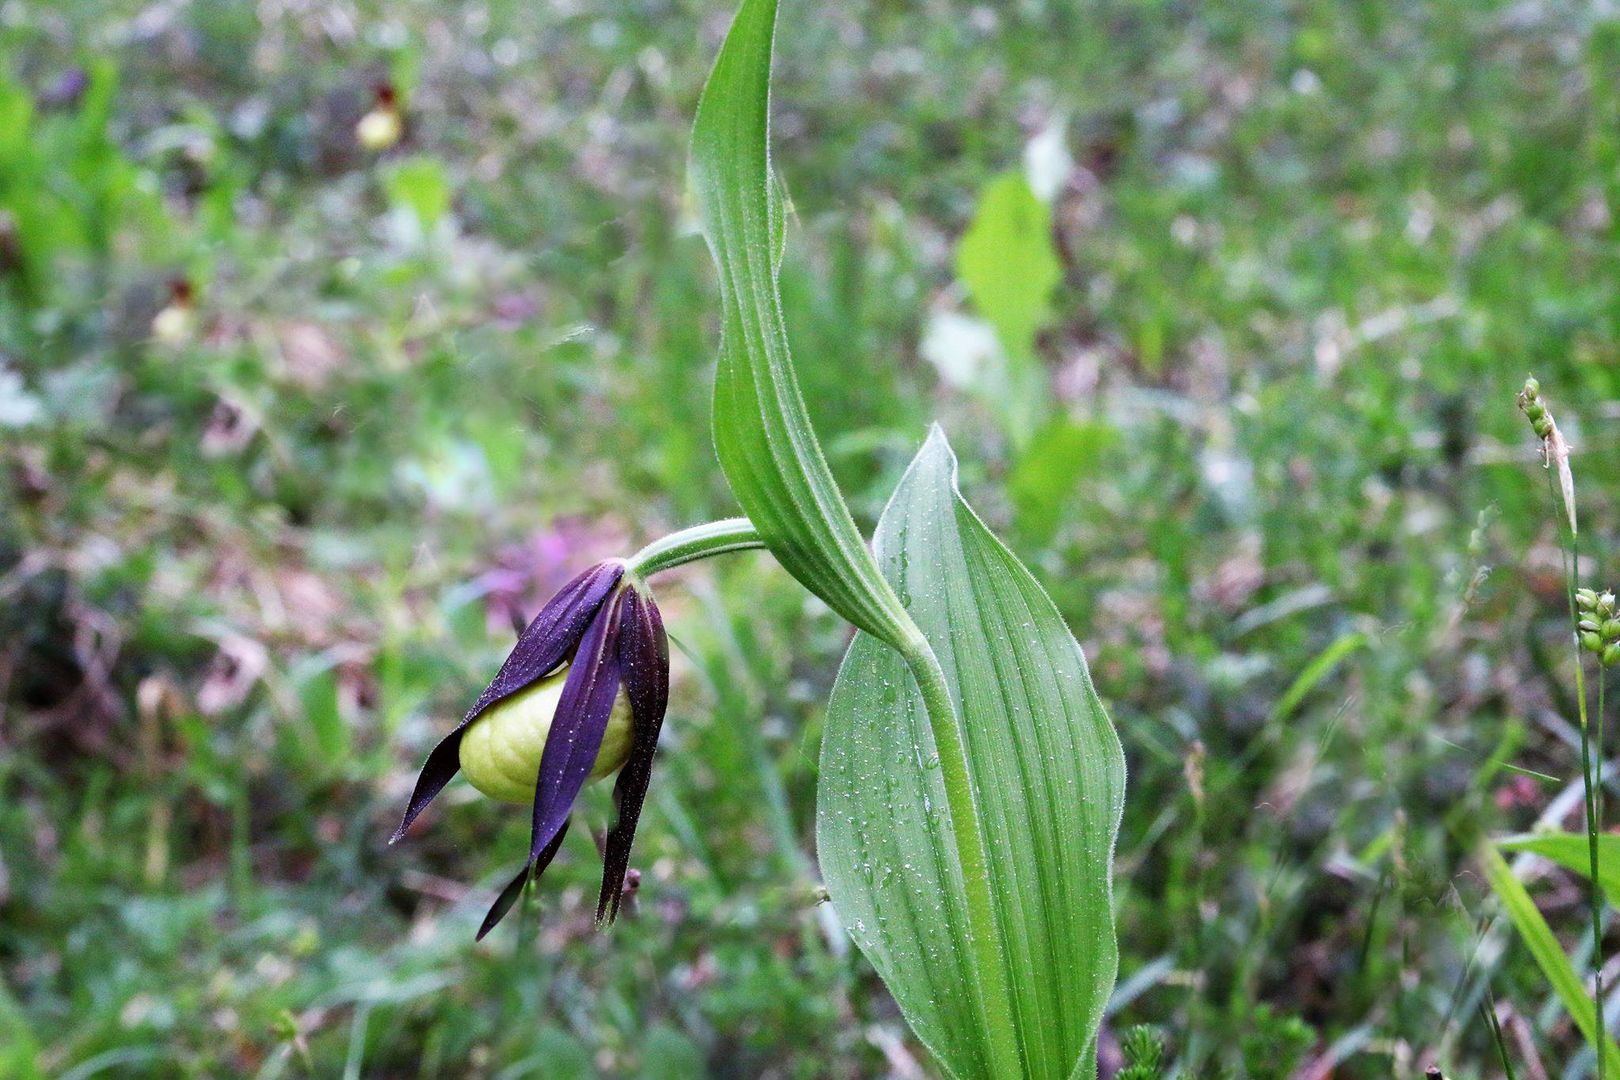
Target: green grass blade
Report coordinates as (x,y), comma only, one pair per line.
(1569,850)
(1317,670)
(1549,955)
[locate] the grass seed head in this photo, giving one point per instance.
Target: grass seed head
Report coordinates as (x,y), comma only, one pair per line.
(1554,449)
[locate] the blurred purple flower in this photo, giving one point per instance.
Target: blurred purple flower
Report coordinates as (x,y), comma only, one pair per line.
(67,91)
(525,574)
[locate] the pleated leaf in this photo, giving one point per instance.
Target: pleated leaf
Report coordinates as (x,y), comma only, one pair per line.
(762,431)
(1049,779)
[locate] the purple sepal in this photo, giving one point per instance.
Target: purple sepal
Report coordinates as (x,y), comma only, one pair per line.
(553,634)
(575,739)
(644,666)
(503,903)
(546,644)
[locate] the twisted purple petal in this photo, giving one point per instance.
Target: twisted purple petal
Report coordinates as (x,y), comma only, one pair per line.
(575,739)
(644,666)
(546,644)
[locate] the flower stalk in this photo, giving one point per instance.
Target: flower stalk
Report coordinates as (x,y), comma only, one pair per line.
(698,542)
(1591,616)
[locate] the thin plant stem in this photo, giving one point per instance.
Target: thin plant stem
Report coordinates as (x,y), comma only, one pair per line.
(1488,1008)
(698,542)
(1598,744)
(1569,547)
(995,993)
(525,909)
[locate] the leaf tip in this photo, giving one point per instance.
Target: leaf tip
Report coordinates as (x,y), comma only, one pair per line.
(936,452)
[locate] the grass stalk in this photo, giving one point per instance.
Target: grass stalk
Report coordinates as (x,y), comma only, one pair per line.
(1569,548)
(1488,1009)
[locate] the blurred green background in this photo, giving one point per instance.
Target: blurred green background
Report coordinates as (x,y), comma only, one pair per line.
(290,428)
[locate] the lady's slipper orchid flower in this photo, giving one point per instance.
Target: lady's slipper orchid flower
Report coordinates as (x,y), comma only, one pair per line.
(581,696)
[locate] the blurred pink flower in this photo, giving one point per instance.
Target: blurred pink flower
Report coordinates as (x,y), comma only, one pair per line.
(527,573)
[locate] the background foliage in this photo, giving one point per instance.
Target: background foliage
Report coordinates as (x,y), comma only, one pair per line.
(1261,449)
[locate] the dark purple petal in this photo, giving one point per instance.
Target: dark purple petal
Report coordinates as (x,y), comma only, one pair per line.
(503,903)
(575,739)
(553,634)
(548,641)
(644,666)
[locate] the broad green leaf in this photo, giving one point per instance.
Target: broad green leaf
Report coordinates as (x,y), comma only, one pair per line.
(762,431)
(1049,779)
(1549,955)
(1006,262)
(1569,851)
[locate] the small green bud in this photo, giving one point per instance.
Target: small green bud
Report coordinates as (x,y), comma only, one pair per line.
(1543,427)
(1611,630)
(1535,411)
(1532,388)
(1605,603)
(1588,626)
(1585,599)
(1611,654)
(1591,642)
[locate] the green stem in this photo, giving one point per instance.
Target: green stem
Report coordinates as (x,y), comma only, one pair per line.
(1570,548)
(698,542)
(995,992)
(1600,756)
(1593,780)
